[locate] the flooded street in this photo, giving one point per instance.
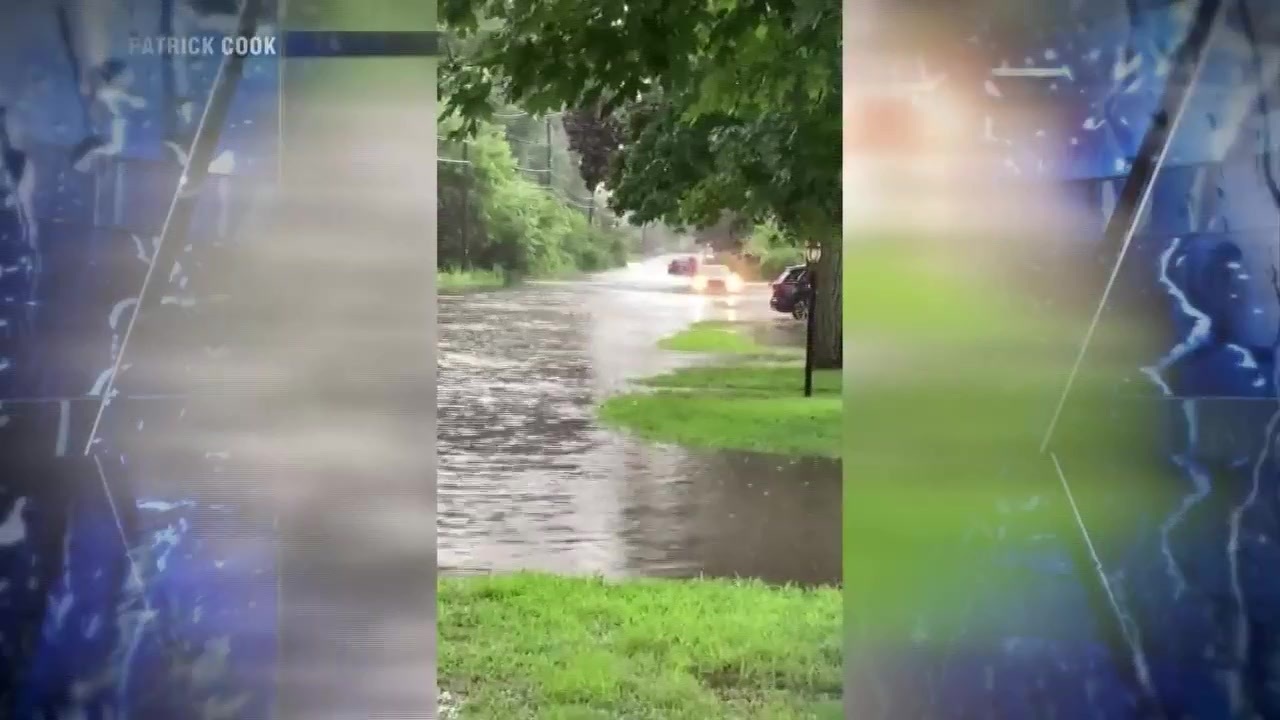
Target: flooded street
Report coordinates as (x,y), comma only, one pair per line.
(529,480)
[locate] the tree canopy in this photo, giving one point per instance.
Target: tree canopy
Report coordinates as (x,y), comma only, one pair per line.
(724,105)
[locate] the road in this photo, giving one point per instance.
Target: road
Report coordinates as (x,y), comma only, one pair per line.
(529,480)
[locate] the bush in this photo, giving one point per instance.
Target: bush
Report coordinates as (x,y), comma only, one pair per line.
(450,279)
(779,259)
(776,248)
(767,236)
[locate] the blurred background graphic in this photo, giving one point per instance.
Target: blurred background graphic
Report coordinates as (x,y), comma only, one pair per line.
(1060,485)
(139,562)
(214,368)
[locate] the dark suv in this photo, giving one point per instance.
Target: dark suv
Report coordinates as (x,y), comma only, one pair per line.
(791,292)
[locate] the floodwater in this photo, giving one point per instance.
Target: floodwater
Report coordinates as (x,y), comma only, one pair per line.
(529,480)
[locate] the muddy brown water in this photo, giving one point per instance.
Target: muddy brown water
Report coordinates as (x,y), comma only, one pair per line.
(529,480)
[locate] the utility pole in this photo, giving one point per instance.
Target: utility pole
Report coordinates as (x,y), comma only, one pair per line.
(548,175)
(466,205)
(591,211)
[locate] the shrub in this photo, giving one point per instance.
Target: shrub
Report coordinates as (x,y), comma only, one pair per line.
(778,259)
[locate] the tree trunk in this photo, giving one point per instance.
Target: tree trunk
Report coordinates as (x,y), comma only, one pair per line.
(828,319)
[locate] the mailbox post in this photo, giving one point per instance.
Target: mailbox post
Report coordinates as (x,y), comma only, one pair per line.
(812,253)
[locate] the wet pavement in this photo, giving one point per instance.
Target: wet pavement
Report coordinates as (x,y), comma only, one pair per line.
(529,480)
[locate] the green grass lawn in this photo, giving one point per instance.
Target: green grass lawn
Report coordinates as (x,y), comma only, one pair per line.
(571,648)
(754,403)
(450,280)
(721,338)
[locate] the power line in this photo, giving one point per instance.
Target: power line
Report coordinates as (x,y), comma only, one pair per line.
(567,179)
(523,114)
(452,161)
(561,195)
(588,204)
(441,138)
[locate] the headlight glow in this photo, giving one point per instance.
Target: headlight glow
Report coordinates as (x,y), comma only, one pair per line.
(733,283)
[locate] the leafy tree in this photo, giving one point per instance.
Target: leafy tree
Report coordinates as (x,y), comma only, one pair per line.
(513,222)
(722,105)
(528,135)
(596,138)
